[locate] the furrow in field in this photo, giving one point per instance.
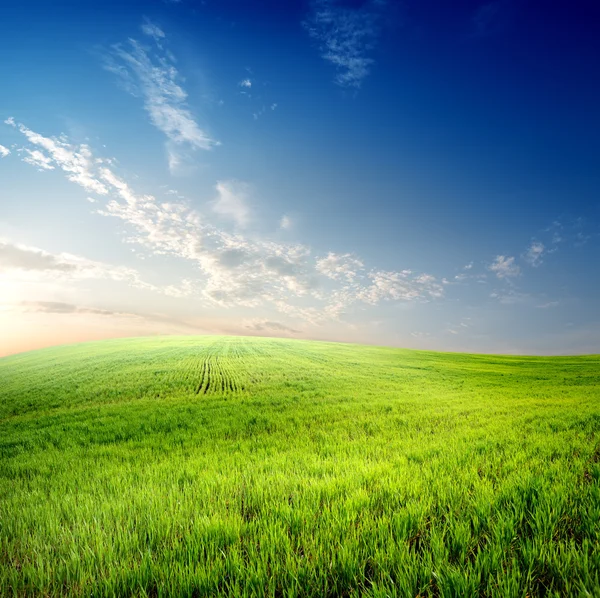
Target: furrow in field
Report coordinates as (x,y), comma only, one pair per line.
(202,375)
(209,373)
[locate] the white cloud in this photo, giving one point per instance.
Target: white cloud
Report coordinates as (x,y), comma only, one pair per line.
(32,262)
(505,267)
(76,161)
(4,151)
(39,159)
(270,326)
(581,239)
(233,269)
(152,30)
(419,334)
(345,36)
(534,253)
(400,286)
(337,267)
(273,105)
(232,201)
(285,223)
(245,83)
(59,307)
(154,77)
(456,329)
(556,228)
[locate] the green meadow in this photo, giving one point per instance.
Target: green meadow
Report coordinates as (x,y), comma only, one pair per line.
(205,466)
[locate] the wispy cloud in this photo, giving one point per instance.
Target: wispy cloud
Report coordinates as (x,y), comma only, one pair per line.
(505,267)
(256,94)
(346,35)
(232,202)
(534,253)
(511,297)
(58,307)
(285,223)
(152,30)
(548,305)
(151,74)
(400,286)
(232,269)
(459,328)
(39,159)
(270,326)
(338,267)
(74,160)
(420,334)
(32,262)
(4,151)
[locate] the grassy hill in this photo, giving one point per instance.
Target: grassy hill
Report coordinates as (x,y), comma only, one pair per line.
(192,466)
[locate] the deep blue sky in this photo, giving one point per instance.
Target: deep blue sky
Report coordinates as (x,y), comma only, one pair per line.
(470,137)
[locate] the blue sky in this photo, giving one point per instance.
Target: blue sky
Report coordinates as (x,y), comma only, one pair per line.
(371,171)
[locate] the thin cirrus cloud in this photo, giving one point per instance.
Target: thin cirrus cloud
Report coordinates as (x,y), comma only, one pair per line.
(23,262)
(152,30)
(345,36)
(4,151)
(58,307)
(270,326)
(75,161)
(231,269)
(548,305)
(150,73)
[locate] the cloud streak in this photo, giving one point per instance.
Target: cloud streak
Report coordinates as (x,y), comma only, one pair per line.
(345,36)
(270,326)
(150,73)
(75,161)
(32,261)
(58,307)
(152,30)
(229,269)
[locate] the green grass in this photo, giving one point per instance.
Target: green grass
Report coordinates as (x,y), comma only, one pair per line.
(193,466)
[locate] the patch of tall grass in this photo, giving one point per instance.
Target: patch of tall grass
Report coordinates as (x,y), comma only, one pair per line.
(196,466)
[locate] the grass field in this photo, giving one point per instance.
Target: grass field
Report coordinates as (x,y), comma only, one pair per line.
(193,466)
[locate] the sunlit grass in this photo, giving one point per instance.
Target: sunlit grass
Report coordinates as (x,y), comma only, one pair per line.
(191,466)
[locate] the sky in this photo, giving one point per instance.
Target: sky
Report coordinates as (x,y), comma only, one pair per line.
(414,174)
